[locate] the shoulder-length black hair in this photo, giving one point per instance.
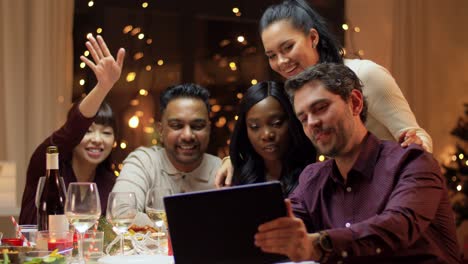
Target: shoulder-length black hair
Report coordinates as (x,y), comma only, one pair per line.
(303,18)
(248,164)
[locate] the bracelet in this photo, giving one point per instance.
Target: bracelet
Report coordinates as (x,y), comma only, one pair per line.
(225,158)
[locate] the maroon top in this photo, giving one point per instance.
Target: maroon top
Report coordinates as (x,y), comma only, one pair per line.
(392,209)
(66,138)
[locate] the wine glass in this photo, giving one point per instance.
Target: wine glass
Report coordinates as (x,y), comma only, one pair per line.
(82,208)
(121,210)
(155,210)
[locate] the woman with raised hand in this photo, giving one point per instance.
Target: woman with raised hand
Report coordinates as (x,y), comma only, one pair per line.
(295,37)
(86,139)
(268,142)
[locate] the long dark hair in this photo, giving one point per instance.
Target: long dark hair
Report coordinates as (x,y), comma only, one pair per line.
(248,165)
(303,17)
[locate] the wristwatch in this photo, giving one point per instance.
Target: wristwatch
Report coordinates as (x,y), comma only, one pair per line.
(324,243)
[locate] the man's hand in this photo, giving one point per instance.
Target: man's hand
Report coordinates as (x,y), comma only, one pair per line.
(287,236)
(105,67)
(224,174)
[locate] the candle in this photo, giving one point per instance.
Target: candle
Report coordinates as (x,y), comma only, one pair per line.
(59,243)
(12,241)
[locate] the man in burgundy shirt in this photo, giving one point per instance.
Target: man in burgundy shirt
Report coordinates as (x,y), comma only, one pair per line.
(374,201)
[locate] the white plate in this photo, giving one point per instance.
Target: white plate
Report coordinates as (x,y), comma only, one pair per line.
(153,259)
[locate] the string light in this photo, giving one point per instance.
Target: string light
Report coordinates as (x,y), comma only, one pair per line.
(133,122)
(99,30)
(236,117)
(127,29)
(82,82)
(138,55)
(461,156)
(144,5)
(235,10)
(154,141)
(239,96)
(135,31)
(357,29)
(151,120)
(459,187)
(240,39)
(148,67)
(82,65)
(123,145)
(90,3)
(149,41)
(131,76)
(160,62)
(139,113)
(345,26)
(321,158)
(253,81)
(115,144)
(134,102)
(221,122)
(233,66)
(141,36)
(454,157)
(86,53)
(143,92)
(120,166)
(215,108)
(148,130)
(116,173)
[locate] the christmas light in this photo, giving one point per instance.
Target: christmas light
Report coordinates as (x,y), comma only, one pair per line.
(160,62)
(148,130)
(148,67)
(215,108)
(115,144)
(120,166)
(138,55)
(144,5)
(133,122)
(240,39)
(116,173)
(149,41)
(131,76)
(82,82)
(345,26)
(141,36)
(99,30)
(235,10)
(221,122)
(236,117)
(127,29)
(461,156)
(90,3)
(139,113)
(459,187)
(239,96)
(123,145)
(253,81)
(134,102)
(321,158)
(151,120)
(154,141)
(143,92)
(135,31)
(86,53)
(82,65)
(357,29)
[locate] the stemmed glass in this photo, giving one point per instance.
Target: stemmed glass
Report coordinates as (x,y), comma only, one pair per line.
(121,211)
(156,212)
(82,208)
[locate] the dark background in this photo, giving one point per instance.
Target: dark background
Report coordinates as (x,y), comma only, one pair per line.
(196,41)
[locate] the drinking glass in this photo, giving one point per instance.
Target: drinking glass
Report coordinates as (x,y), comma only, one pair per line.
(121,210)
(156,212)
(82,209)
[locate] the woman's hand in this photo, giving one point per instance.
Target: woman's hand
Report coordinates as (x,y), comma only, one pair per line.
(105,67)
(224,174)
(408,137)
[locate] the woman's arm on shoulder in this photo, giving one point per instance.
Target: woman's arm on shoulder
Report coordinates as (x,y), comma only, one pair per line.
(389,106)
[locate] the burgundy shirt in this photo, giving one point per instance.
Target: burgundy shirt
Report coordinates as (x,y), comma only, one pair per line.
(392,209)
(66,139)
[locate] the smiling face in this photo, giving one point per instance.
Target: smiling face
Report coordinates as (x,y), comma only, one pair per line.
(185,132)
(328,120)
(267,129)
(96,144)
(288,49)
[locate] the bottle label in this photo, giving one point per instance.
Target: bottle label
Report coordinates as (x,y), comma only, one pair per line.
(52,161)
(58,223)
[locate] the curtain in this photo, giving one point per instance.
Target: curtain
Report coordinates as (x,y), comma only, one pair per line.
(36,75)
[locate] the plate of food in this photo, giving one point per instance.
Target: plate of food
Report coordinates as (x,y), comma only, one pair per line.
(139,259)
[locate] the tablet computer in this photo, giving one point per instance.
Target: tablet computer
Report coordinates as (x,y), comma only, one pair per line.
(218,226)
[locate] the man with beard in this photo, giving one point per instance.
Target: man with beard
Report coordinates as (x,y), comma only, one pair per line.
(182,164)
(373,201)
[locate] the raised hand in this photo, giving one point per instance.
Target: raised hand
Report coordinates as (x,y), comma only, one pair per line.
(224,174)
(408,137)
(105,67)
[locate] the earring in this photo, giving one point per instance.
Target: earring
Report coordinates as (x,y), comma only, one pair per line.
(314,45)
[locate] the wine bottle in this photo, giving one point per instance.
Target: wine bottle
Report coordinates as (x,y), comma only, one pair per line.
(50,213)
